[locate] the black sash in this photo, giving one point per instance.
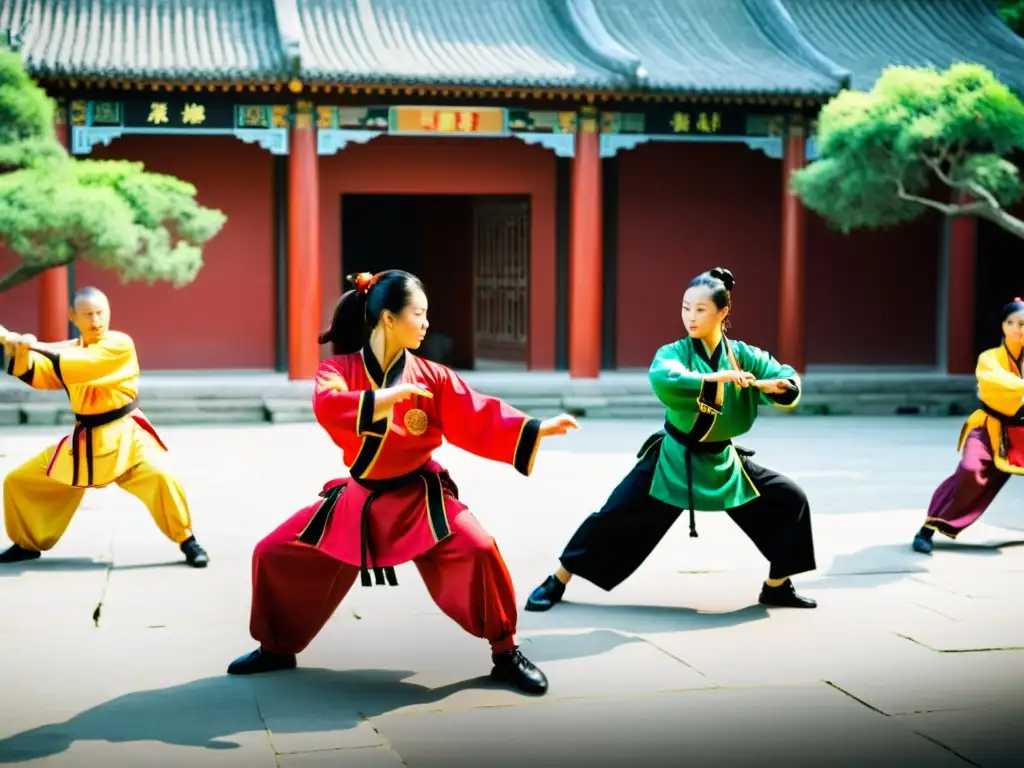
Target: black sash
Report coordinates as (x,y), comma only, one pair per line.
(436,482)
(695,446)
(1017,420)
(85,424)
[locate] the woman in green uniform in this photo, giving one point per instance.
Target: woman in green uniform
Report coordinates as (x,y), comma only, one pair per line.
(711,388)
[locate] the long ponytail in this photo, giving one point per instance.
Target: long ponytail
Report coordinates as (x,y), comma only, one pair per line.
(348,330)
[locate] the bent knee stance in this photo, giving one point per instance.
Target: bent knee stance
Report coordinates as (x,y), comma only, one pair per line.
(37,510)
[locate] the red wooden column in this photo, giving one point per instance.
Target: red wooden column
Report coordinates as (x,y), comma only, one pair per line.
(585,305)
(53,283)
(963,232)
(303,246)
(792,301)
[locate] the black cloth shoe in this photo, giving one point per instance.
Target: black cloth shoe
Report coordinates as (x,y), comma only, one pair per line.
(923,541)
(194,554)
(18,554)
(261,661)
(784,596)
(517,670)
(546,596)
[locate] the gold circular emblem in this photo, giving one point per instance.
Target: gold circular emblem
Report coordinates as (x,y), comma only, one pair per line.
(416,421)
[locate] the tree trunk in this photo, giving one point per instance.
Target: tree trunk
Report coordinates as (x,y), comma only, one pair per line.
(22,274)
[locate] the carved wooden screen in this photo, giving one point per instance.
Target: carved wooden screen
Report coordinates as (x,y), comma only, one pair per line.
(501,279)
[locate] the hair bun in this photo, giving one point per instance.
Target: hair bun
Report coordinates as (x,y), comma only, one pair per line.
(725,276)
(363,282)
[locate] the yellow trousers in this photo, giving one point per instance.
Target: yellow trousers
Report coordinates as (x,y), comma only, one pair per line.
(37,510)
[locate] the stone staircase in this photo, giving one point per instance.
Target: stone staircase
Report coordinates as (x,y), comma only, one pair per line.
(253,397)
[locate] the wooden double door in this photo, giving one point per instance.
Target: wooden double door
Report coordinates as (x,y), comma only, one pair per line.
(501,281)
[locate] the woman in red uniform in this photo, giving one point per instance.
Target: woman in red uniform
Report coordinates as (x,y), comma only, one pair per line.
(388,410)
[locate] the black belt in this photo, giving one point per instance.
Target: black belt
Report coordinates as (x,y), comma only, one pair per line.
(1017,420)
(695,446)
(85,424)
(435,482)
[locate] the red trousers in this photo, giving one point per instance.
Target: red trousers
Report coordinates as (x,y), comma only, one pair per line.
(296,588)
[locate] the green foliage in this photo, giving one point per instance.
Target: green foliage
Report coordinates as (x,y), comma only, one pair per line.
(146,226)
(55,209)
(1012,12)
(26,118)
(882,153)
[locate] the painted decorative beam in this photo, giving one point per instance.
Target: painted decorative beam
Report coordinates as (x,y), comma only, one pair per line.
(340,126)
(100,122)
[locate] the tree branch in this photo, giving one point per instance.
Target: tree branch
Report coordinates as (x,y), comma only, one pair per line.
(983,210)
(964,186)
(22,274)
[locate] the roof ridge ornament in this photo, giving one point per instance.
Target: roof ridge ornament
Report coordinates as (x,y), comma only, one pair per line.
(585,21)
(774,21)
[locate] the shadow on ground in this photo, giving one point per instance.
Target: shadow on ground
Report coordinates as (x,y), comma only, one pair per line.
(628,619)
(889,563)
(206,713)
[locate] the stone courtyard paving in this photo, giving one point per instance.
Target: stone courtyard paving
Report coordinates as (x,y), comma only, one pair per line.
(112,652)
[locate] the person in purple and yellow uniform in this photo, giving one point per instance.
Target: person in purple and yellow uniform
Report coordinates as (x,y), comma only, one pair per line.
(111,442)
(991,441)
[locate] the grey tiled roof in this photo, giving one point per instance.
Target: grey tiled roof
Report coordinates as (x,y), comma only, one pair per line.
(718,47)
(866,36)
(457,42)
(783,47)
(235,40)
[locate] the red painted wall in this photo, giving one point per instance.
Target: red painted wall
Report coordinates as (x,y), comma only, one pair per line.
(685,208)
(873,294)
(18,307)
(439,166)
(226,318)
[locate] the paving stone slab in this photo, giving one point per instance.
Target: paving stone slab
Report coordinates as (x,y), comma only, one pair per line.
(240,750)
(985,736)
(360,757)
(938,682)
(748,727)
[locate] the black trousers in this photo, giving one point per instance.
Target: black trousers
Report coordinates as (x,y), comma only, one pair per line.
(612,543)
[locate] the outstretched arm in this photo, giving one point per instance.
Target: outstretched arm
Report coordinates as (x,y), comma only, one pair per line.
(490,428)
(108,360)
(30,361)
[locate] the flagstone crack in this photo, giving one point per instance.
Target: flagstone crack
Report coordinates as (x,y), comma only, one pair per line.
(858,700)
(960,650)
(946,747)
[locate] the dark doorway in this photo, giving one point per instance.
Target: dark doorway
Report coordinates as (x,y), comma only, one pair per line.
(472,253)
(999,278)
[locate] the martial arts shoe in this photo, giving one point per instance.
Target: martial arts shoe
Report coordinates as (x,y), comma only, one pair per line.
(923,541)
(261,661)
(18,554)
(515,669)
(194,554)
(784,596)
(544,597)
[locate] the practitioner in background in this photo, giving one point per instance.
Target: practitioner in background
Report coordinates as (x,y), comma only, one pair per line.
(711,387)
(991,443)
(388,410)
(112,441)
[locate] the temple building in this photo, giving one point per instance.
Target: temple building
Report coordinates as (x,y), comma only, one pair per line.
(555,171)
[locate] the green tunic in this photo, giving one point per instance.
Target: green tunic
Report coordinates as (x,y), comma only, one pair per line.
(710,412)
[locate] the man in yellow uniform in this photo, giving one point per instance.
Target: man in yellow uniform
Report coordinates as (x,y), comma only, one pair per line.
(112,442)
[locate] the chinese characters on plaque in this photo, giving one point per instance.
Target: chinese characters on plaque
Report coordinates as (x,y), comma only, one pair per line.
(482,120)
(704,122)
